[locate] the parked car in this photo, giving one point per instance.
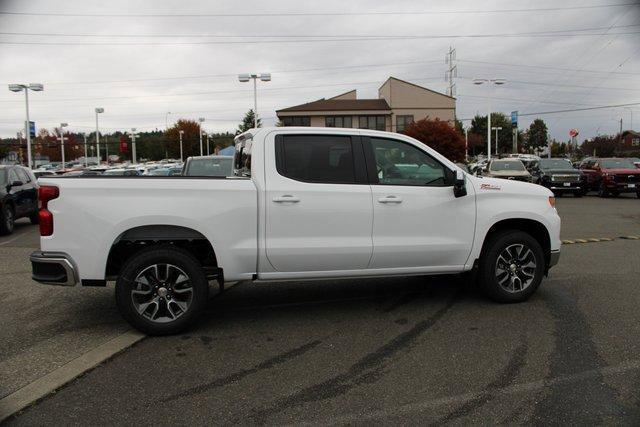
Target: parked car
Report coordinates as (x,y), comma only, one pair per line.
(507,169)
(611,176)
(18,197)
(208,166)
(121,172)
(303,203)
(559,176)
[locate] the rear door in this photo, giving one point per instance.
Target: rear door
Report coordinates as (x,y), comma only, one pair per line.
(318,203)
(418,222)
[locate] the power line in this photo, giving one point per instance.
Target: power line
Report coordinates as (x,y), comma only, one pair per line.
(579,109)
(544,67)
(301,36)
(318,40)
(301,14)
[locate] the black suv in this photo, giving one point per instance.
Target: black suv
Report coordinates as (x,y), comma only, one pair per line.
(18,197)
(559,176)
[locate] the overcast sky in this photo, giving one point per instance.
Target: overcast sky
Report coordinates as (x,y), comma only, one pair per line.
(140,67)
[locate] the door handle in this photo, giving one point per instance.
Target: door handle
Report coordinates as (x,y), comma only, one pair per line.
(286,198)
(390,199)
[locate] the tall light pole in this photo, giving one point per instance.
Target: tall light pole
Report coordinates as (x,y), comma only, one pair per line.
(206,137)
(181,132)
(200,120)
(36,87)
(62,138)
(497,129)
(466,143)
(264,77)
(99,110)
(496,82)
(86,161)
(133,145)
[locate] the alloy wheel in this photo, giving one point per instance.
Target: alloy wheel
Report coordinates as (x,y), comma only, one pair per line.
(515,268)
(162,293)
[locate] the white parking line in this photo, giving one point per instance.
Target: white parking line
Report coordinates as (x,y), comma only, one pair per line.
(55,379)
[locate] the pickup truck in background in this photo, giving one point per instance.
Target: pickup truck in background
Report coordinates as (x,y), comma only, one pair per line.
(302,203)
(611,176)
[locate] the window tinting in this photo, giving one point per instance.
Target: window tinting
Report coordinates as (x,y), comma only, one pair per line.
(372,122)
(316,158)
(399,163)
(337,121)
(296,121)
(402,122)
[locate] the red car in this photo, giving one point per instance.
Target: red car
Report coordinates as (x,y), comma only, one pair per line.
(611,176)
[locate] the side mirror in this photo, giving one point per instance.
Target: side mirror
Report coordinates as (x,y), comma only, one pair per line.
(459,185)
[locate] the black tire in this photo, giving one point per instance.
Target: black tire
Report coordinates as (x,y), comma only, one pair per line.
(7,220)
(34,218)
(144,260)
(602,191)
(488,266)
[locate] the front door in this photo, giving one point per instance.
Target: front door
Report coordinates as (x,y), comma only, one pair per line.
(318,203)
(418,222)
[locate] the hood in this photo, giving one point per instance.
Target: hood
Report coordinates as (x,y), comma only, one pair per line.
(509,173)
(634,171)
(561,172)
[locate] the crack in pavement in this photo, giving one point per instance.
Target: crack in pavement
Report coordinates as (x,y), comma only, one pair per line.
(237,376)
(365,370)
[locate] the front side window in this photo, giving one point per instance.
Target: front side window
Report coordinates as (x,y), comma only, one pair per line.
(296,121)
(399,163)
(402,122)
(372,122)
(316,158)
(337,121)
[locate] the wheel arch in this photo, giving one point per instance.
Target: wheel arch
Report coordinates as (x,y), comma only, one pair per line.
(534,228)
(135,239)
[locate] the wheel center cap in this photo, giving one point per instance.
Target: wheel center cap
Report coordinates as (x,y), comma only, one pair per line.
(162,292)
(513,267)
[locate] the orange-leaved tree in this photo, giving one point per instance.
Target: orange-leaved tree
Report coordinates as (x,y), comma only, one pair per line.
(440,136)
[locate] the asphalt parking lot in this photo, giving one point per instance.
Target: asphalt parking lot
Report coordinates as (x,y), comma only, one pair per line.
(384,351)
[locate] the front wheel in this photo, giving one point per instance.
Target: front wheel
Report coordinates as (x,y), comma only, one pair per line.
(603,191)
(162,290)
(7,220)
(511,267)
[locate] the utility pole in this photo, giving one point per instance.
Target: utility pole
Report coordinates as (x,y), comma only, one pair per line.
(181,132)
(86,161)
(452,72)
(106,148)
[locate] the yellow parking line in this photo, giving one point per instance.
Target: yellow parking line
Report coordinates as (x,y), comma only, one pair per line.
(581,240)
(568,242)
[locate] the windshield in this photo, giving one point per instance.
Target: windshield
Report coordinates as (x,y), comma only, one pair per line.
(617,164)
(511,165)
(210,166)
(114,172)
(561,164)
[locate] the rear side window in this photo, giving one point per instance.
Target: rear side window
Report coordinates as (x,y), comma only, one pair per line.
(210,166)
(316,158)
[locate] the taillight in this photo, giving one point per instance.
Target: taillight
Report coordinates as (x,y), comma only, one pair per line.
(45,218)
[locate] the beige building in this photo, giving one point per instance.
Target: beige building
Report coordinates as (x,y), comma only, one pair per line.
(399,103)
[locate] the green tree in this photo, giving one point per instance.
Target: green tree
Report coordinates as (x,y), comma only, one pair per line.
(537,135)
(248,122)
(505,138)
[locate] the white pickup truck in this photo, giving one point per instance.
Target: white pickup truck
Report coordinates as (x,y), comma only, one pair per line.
(303,203)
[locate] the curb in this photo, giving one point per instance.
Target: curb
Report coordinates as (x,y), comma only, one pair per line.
(55,379)
(598,239)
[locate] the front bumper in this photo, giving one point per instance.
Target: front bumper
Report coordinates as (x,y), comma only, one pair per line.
(53,268)
(554,257)
(622,187)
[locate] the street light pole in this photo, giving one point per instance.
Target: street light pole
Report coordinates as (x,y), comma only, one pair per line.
(98,111)
(491,82)
(200,120)
(133,146)
(206,137)
(180,132)
(36,87)
(86,161)
(62,138)
(264,77)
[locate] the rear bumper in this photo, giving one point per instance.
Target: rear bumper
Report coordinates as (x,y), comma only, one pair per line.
(53,268)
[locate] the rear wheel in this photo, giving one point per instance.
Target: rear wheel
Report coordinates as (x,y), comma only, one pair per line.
(162,291)
(511,267)
(7,220)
